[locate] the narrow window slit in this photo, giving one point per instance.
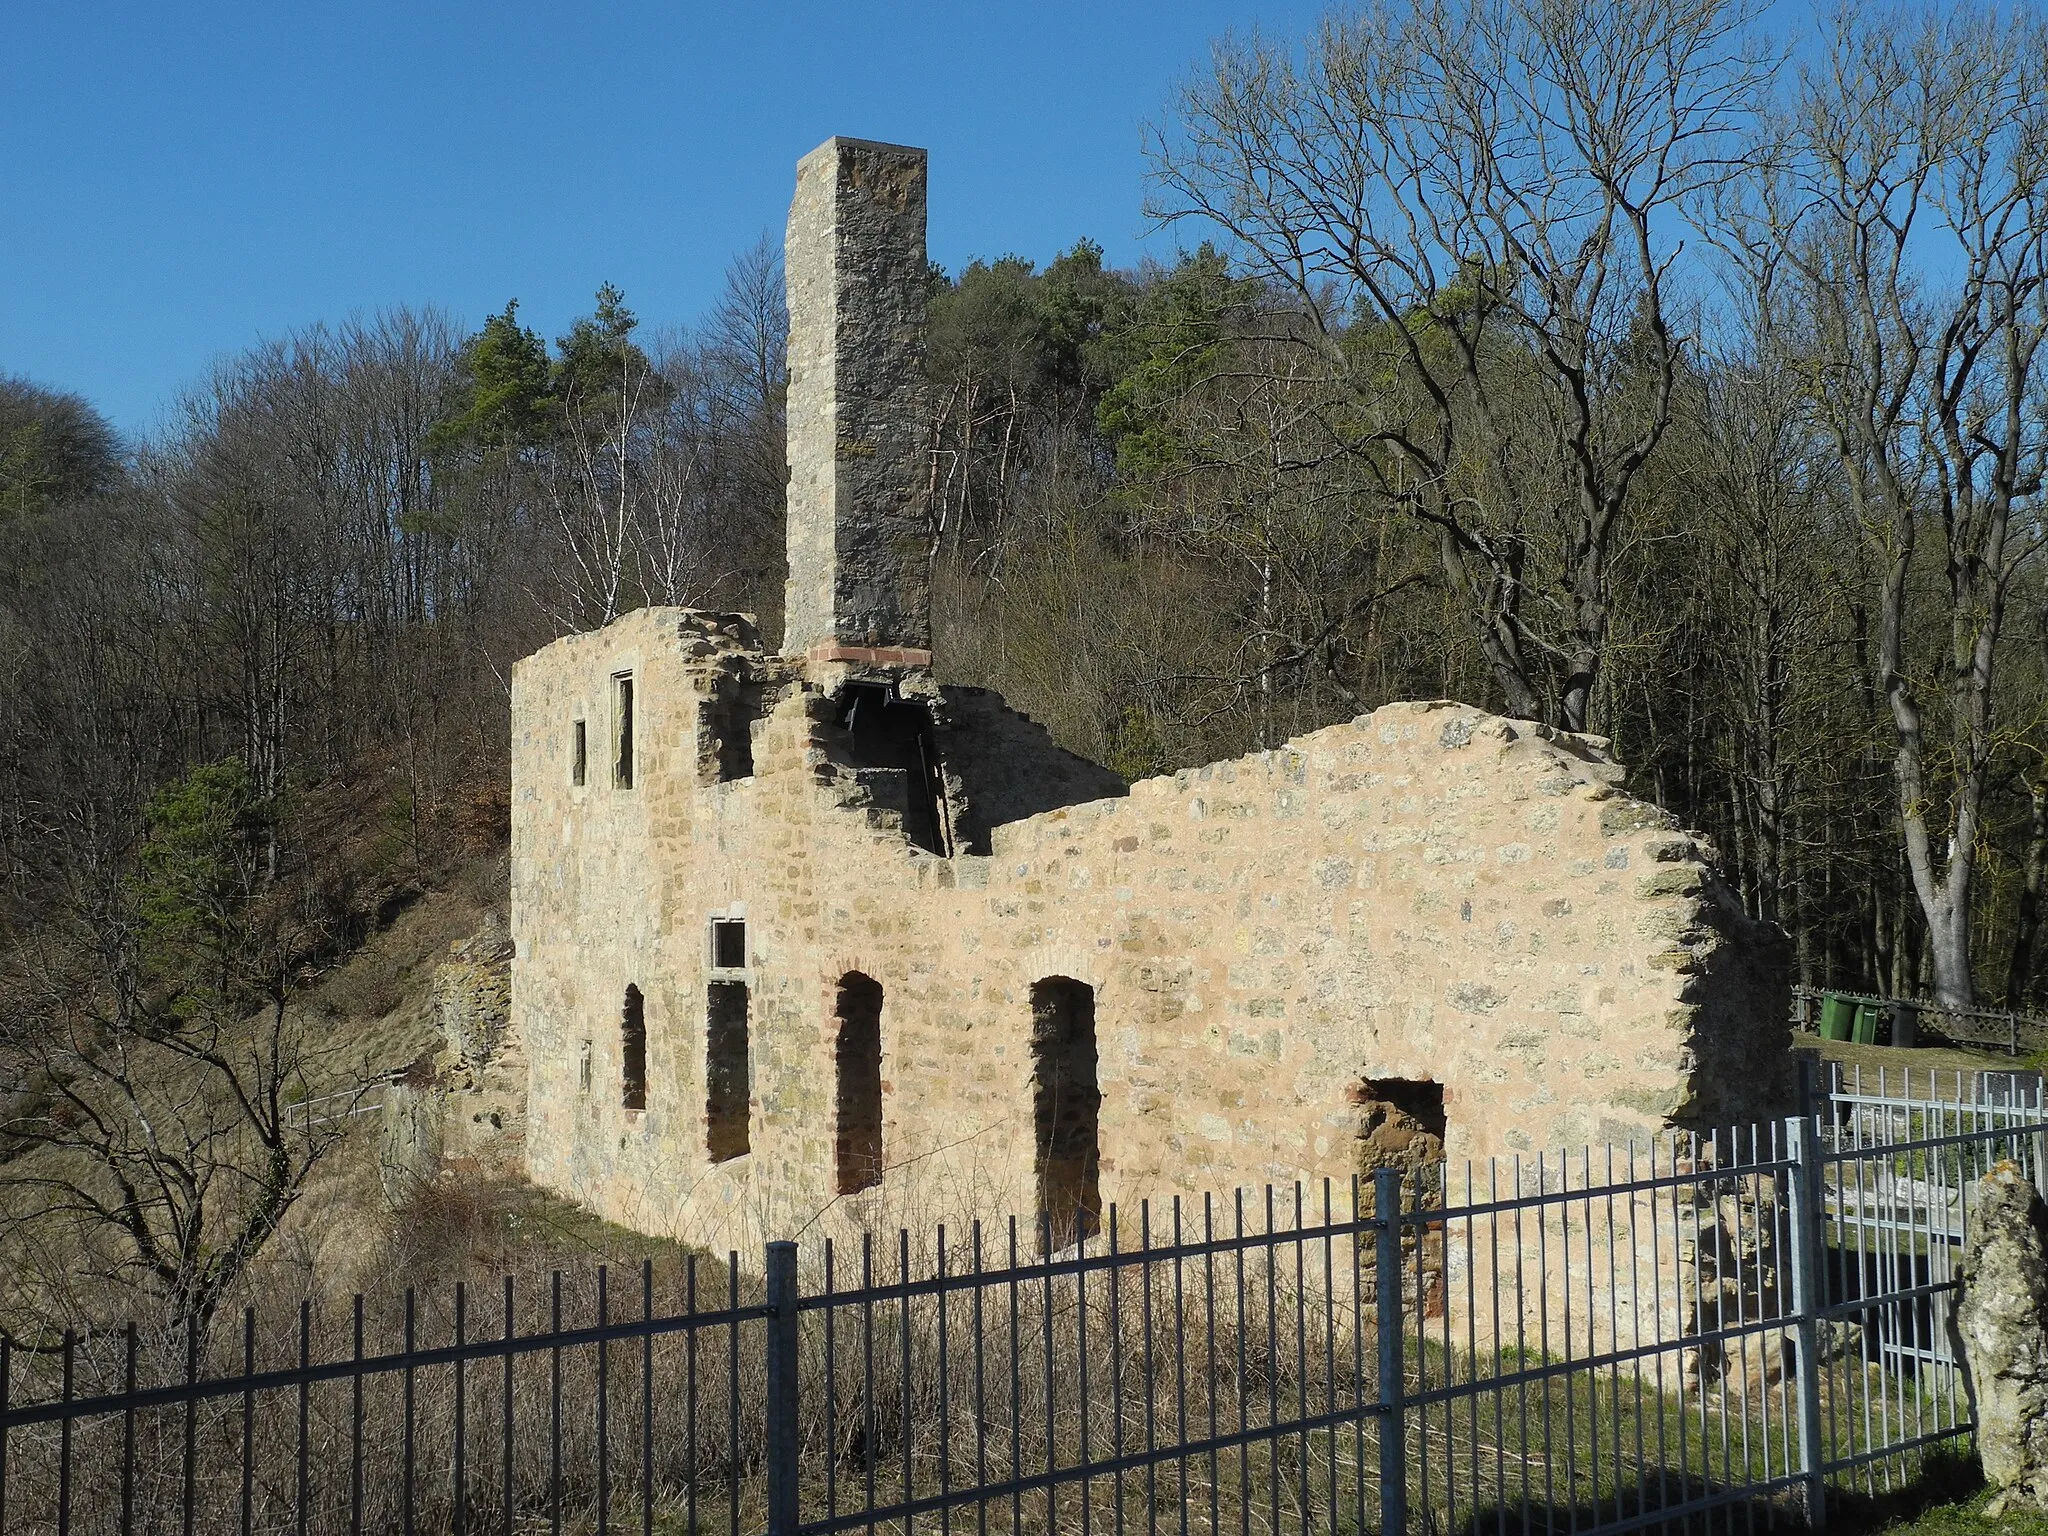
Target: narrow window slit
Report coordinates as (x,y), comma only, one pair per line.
(859,1054)
(622,718)
(633,1050)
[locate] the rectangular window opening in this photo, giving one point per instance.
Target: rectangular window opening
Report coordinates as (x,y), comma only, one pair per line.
(729,943)
(726,1073)
(579,771)
(859,1052)
(622,717)
(1066,1111)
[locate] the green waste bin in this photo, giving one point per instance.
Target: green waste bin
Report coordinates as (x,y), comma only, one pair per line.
(1837,1017)
(1866,1024)
(1905,1024)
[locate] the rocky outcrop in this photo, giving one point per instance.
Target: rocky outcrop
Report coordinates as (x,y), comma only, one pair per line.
(461,1109)
(473,995)
(2001,1324)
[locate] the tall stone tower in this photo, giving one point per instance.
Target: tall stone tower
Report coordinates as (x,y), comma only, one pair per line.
(859,583)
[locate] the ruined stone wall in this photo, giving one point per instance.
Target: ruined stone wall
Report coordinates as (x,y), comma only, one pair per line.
(1428,893)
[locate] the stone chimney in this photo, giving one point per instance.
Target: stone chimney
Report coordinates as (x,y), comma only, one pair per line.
(859,407)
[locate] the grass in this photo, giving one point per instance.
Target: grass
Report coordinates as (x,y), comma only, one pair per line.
(1948,1499)
(1964,1517)
(1920,1059)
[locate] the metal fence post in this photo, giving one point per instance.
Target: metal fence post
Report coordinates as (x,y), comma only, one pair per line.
(782,1337)
(2031,1114)
(1802,1141)
(1386,1209)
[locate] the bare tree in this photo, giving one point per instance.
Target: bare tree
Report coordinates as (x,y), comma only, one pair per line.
(1477,204)
(169,1141)
(1906,222)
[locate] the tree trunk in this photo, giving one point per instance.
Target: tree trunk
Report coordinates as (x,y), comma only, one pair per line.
(2020,967)
(1948,946)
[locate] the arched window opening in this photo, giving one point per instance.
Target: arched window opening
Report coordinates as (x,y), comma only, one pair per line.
(1066,1111)
(633,1050)
(726,1071)
(860,1082)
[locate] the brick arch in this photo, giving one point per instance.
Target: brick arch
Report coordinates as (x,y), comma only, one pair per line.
(825,987)
(1078,962)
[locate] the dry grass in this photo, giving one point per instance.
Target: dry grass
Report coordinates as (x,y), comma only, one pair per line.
(371,1014)
(1210,1357)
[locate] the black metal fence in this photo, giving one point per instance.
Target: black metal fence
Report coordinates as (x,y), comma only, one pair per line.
(1713,1332)
(520,1416)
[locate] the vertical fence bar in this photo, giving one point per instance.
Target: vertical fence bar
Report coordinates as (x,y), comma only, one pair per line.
(355,1421)
(301,1484)
(1386,1199)
(248,1422)
(555,1402)
(128,1436)
(732,1390)
(689,1392)
(189,1471)
(1806,1194)
(604,1393)
(459,1475)
(64,1438)
(6,1364)
(506,1409)
(782,1348)
(409,1446)
(647,1397)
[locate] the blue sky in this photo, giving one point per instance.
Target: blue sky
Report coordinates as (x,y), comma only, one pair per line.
(179,180)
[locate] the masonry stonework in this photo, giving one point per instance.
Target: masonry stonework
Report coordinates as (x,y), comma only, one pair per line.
(856,275)
(1216,979)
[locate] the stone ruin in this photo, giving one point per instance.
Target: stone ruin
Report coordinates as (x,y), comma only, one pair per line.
(810,942)
(460,1110)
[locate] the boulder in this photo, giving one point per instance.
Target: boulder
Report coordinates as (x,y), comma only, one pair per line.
(2001,1324)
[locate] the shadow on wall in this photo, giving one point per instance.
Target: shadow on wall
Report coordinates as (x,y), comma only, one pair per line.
(1009,767)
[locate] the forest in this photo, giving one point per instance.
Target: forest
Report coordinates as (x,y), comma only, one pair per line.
(1628,369)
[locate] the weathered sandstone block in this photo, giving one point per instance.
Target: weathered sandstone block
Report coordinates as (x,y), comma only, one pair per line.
(2001,1319)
